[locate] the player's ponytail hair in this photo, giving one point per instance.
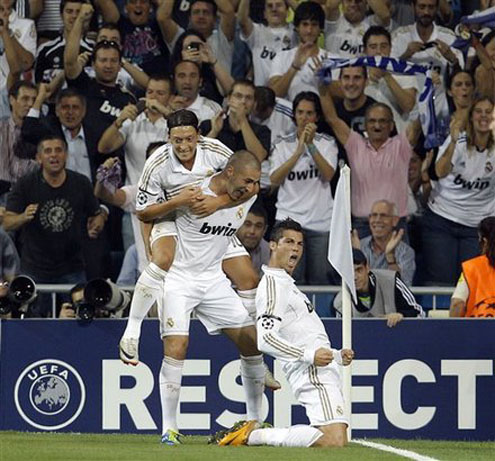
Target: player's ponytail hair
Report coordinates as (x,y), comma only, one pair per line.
(486,230)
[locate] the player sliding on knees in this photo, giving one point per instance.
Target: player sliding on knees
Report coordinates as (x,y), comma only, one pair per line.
(196,283)
(290,330)
(169,181)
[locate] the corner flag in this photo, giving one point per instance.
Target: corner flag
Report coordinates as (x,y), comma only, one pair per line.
(340,247)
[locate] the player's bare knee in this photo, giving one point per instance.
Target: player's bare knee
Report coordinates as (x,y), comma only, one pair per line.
(175,346)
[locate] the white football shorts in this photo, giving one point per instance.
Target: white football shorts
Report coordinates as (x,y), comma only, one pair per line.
(168,229)
(319,390)
(214,302)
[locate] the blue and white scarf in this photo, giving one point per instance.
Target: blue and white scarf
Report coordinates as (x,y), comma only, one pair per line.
(425,101)
(484,18)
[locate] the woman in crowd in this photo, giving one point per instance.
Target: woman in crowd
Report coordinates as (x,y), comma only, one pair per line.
(462,197)
(192,46)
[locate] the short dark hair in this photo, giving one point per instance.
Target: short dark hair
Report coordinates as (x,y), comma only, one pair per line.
(363,68)
(106,45)
(109,26)
(152,146)
(77,287)
(70,92)
(210,2)
(243,158)
(376,31)
(287,224)
(178,63)
(182,117)
(311,97)
(159,77)
(486,230)
(64,2)
(244,82)
(309,11)
(51,137)
(265,98)
(14,91)
(358,257)
(259,210)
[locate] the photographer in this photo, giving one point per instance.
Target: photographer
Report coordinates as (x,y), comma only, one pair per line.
(98,298)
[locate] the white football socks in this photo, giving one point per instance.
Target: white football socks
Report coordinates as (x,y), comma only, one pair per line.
(170,383)
(295,436)
(253,381)
(248,298)
(149,288)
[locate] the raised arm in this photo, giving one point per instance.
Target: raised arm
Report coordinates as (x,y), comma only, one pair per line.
(72,66)
(139,76)
(243,17)
(24,58)
(405,97)
(381,10)
(112,139)
(164,18)
(340,128)
(227,18)
(108,10)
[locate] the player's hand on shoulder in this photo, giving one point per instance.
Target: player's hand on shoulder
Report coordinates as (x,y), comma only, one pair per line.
(347,356)
(323,357)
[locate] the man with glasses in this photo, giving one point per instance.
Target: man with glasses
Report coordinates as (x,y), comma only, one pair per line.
(384,248)
(379,163)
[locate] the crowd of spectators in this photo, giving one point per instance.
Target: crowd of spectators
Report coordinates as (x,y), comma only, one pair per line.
(85,81)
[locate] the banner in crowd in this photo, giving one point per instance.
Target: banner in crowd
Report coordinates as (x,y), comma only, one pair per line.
(424,378)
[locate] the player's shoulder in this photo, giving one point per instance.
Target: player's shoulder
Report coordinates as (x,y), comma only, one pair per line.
(214,147)
(275,276)
(159,158)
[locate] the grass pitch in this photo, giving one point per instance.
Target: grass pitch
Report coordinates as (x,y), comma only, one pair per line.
(24,446)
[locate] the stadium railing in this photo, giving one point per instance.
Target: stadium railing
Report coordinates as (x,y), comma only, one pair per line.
(321,296)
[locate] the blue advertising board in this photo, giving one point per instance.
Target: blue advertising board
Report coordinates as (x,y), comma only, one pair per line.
(422,379)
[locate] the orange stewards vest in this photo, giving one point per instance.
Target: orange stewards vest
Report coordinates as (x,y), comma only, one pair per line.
(480,277)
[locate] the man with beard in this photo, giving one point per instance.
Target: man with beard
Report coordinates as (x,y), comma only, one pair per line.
(424,42)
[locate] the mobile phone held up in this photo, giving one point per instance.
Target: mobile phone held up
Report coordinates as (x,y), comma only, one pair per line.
(193,46)
(141,105)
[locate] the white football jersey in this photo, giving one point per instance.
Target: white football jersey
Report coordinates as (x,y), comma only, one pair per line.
(406,34)
(303,195)
(204,108)
(288,326)
(466,194)
(265,42)
(345,39)
(164,176)
(202,242)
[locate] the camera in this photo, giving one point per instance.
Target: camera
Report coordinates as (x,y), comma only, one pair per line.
(194,46)
(102,298)
(21,293)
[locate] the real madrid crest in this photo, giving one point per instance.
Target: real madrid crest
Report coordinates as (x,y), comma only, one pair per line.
(240,212)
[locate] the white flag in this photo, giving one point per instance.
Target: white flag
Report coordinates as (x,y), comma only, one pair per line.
(340,247)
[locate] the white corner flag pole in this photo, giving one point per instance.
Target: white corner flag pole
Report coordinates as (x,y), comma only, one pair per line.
(340,256)
(347,314)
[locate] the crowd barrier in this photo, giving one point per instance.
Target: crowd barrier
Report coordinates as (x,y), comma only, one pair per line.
(431,298)
(422,379)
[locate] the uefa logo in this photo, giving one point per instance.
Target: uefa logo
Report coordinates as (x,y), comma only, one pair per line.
(49,394)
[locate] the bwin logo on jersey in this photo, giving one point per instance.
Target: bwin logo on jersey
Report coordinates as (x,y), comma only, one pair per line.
(225,231)
(49,394)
